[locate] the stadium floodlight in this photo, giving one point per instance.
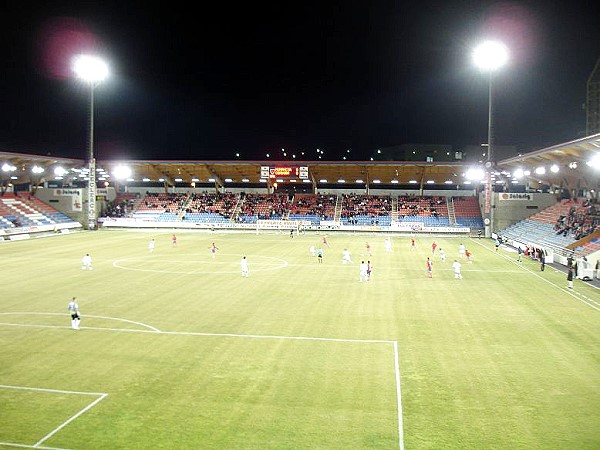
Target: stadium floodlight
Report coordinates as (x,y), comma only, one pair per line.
(37,170)
(6,167)
(376,181)
(92,70)
(554,168)
(394,181)
(594,162)
(540,170)
(489,56)
(475,174)
(122,172)
(359,181)
(178,180)
(59,171)
(518,173)
(430,181)
(341,180)
(413,182)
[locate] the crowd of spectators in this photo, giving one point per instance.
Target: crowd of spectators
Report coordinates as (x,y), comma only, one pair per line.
(163,202)
(424,206)
(121,206)
(372,206)
(319,205)
(264,206)
(581,220)
(223,204)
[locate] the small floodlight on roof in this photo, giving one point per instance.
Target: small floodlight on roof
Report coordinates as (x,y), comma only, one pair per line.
(122,172)
(475,174)
(594,161)
(59,171)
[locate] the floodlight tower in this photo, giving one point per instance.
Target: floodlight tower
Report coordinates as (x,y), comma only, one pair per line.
(93,71)
(490,56)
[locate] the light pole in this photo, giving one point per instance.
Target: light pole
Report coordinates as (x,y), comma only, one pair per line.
(93,71)
(489,56)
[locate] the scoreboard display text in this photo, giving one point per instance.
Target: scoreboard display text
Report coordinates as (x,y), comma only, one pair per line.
(284,172)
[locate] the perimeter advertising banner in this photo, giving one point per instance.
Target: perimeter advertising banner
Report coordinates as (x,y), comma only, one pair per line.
(515,196)
(76,197)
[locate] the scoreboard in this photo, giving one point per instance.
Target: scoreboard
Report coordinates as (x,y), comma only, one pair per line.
(284,172)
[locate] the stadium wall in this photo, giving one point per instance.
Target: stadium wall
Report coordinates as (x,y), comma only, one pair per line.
(511,208)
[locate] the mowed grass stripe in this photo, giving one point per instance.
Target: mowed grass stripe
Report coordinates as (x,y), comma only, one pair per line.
(503,358)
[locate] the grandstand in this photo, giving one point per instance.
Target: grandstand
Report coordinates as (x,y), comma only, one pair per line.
(24,211)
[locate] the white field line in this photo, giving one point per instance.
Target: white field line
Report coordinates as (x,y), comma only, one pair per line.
(399,398)
(233,335)
(41,447)
(52,391)
(156,330)
(38,445)
(68,421)
(577,296)
(235,265)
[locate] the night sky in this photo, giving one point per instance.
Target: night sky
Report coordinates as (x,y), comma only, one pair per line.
(255,77)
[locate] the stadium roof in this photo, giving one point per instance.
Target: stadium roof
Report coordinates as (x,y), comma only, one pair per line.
(571,159)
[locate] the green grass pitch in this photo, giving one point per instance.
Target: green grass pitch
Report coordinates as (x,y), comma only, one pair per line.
(178,350)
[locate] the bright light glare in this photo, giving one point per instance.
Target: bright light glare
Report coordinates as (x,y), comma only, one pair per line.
(90,68)
(8,168)
(554,168)
(594,162)
(518,174)
(540,170)
(475,174)
(37,169)
(490,55)
(122,172)
(59,171)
